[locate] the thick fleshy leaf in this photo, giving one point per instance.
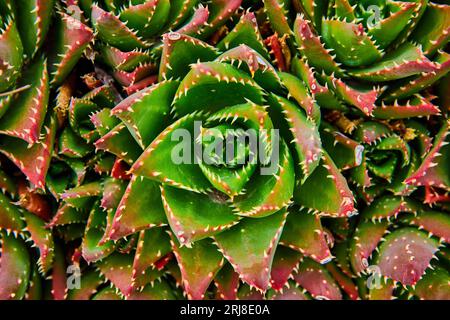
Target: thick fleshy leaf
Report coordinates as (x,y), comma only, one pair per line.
(284,263)
(135,212)
(15,267)
(211,86)
(311,46)
(406,255)
(120,142)
(365,240)
(250,247)
(303,132)
(434,285)
(326,191)
(33,20)
(158,160)
(434,170)
(352,45)
(406,61)
(114,32)
(25,120)
(317,281)
(245,32)
(303,232)
(71,38)
(145,112)
(34,162)
(194,216)
(198,264)
(42,238)
(433,30)
(179,52)
(11,56)
(153,244)
(227,283)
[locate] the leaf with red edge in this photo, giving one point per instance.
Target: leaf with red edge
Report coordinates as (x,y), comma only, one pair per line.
(147,18)
(317,281)
(11,57)
(370,132)
(81,196)
(292,293)
(198,264)
(120,142)
(434,170)
(34,162)
(141,72)
(198,21)
(406,255)
(145,113)
(345,152)
(311,47)
(389,206)
(33,20)
(25,120)
(42,238)
(408,87)
(153,244)
(408,60)
(303,232)
(434,285)
(298,90)
(117,268)
(92,249)
(195,216)
(59,276)
(90,281)
(344,282)
(433,30)
(153,162)
(385,291)
(10,216)
(71,38)
(220,12)
(15,267)
(122,60)
(304,133)
(365,240)
(435,222)
(227,283)
(160,290)
(350,42)
(245,32)
(114,32)
(416,107)
(277,13)
(250,247)
(107,294)
(113,190)
(68,215)
(362,98)
(247,292)
(284,263)
(326,191)
(135,212)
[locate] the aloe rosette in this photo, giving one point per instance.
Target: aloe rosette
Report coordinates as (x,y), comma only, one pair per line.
(196,210)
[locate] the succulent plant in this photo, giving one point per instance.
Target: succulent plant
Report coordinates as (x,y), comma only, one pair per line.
(275,149)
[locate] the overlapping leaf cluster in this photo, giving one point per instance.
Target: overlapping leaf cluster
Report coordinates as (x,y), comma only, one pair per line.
(347,198)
